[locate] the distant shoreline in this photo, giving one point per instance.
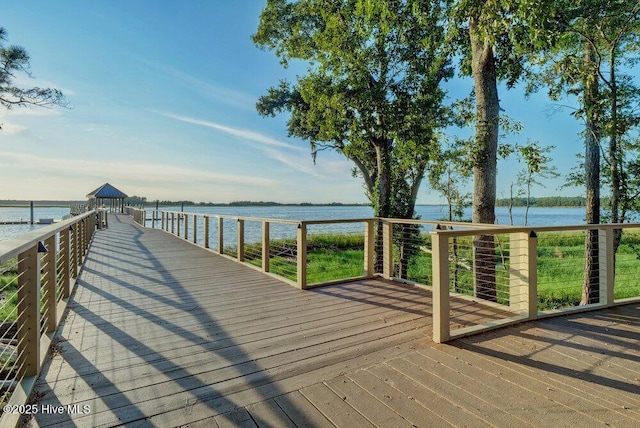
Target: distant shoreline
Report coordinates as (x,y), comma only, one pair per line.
(50,204)
(65,204)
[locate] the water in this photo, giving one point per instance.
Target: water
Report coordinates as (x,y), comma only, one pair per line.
(10,231)
(537,216)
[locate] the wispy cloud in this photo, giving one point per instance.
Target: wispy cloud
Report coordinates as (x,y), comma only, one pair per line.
(141,172)
(295,157)
(99,129)
(245,134)
(225,95)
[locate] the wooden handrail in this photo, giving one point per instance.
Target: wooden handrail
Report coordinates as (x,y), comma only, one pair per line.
(522,272)
(38,273)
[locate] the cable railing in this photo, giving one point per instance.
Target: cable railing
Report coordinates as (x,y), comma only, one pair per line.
(37,273)
(480,276)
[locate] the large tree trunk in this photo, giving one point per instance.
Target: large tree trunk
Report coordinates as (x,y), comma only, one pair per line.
(591,280)
(382,195)
(485,158)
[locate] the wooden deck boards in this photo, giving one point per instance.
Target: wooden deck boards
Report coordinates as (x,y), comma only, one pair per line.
(163,333)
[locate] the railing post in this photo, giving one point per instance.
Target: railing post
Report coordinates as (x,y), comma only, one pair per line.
(29,312)
(369,248)
(195,229)
(387,249)
(240,230)
(185,216)
(523,274)
(440,268)
(220,235)
(65,281)
(302,255)
(173,223)
(205,220)
(607,266)
(49,293)
(266,247)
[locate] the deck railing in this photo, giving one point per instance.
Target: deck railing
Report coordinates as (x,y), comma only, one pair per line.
(37,273)
(503,273)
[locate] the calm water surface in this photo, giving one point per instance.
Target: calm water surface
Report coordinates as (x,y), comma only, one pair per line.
(24,214)
(537,216)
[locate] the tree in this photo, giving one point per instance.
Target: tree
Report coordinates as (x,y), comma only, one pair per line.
(495,37)
(13,60)
(372,89)
(536,166)
(584,60)
(448,177)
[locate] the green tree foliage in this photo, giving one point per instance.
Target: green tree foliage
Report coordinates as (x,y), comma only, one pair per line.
(536,166)
(449,177)
(494,38)
(595,41)
(545,201)
(15,60)
(371,91)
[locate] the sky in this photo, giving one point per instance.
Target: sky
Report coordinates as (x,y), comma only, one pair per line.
(162,105)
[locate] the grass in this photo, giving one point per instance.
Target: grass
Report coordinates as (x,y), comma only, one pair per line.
(560,264)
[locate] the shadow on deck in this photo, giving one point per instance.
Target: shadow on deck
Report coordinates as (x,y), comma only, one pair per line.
(161,332)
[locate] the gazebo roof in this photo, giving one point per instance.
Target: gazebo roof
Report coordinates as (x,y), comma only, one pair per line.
(107,191)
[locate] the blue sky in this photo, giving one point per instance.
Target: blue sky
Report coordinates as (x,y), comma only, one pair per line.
(163,105)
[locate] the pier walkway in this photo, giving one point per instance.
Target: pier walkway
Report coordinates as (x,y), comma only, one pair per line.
(160,332)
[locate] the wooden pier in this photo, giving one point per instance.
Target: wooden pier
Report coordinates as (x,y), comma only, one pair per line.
(160,332)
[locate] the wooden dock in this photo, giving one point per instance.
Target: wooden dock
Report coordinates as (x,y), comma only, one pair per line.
(163,333)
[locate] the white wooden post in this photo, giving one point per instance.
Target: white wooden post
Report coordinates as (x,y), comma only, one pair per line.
(606,266)
(29,312)
(440,267)
(240,246)
(266,247)
(302,255)
(387,249)
(369,248)
(523,273)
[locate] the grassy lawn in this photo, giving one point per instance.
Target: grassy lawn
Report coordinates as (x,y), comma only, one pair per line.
(560,264)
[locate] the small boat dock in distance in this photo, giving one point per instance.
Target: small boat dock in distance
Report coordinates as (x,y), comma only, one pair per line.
(162,332)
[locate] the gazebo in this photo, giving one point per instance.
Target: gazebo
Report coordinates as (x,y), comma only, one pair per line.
(105,193)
